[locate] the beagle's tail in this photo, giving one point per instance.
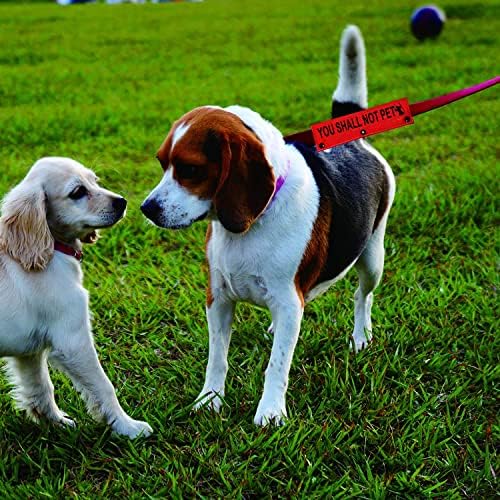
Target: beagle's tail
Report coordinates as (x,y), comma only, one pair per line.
(351,94)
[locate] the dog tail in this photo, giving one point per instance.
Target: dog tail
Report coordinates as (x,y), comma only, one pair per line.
(351,94)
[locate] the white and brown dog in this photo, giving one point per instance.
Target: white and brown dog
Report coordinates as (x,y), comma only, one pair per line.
(43,306)
(286,221)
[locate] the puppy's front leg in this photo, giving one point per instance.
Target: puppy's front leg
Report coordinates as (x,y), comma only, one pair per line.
(287,315)
(33,389)
(77,357)
(220,317)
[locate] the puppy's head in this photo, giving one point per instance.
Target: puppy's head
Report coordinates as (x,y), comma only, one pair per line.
(213,164)
(60,200)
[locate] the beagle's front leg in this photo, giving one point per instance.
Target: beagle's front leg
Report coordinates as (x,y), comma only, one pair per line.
(286,315)
(220,315)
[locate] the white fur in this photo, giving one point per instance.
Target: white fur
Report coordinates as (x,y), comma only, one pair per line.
(44,314)
(352,69)
(179,133)
(244,267)
(179,208)
(321,288)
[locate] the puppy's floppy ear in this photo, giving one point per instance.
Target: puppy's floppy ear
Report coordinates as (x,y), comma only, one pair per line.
(246,182)
(24,232)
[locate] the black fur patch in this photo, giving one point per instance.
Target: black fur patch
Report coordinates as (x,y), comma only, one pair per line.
(352,184)
(344,108)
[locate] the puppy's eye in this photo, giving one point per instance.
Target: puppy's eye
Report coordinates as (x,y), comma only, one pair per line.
(78,193)
(186,171)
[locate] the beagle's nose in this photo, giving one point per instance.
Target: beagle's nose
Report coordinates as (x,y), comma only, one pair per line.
(119,204)
(150,209)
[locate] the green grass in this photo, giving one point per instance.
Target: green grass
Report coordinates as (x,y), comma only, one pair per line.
(413,416)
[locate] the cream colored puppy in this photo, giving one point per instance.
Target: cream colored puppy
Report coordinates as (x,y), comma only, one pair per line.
(44,312)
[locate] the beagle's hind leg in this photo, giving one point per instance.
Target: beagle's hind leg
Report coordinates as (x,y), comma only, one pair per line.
(369,267)
(370,263)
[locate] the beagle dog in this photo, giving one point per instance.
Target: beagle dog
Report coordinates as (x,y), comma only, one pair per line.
(286,222)
(44,314)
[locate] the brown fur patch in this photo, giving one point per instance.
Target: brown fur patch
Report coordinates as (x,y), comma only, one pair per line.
(316,254)
(224,161)
(165,150)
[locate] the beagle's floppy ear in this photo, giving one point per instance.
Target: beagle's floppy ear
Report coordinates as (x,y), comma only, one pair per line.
(246,184)
(24,232)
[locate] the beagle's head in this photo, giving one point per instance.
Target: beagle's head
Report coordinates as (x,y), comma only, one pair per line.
(214,165)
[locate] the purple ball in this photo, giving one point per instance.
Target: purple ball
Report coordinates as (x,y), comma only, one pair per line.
(427,22)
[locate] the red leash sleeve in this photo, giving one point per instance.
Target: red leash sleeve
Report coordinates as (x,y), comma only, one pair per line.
(355,126)
(304,136)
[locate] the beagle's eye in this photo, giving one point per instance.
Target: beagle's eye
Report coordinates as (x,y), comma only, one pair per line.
(186,171)
(78,193)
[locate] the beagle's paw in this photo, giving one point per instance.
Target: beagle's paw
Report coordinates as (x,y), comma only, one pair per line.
(270,413)
(209,399)
(360,341)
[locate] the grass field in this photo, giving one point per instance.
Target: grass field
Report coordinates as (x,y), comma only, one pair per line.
(413,416)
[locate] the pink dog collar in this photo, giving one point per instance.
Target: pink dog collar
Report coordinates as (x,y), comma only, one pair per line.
(279,182)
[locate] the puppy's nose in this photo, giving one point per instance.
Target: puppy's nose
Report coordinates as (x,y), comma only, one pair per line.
(119,204)
(150,209)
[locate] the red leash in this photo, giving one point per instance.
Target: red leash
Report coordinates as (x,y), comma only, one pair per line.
(378,119)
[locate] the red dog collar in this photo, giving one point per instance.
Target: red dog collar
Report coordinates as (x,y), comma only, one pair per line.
(68,250)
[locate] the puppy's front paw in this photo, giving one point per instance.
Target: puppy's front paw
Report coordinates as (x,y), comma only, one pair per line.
(210,400)
(65,421)
(131,428)
(53,415)
(270,414)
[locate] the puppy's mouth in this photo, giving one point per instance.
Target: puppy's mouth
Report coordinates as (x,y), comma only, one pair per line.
(100,226)
(106,223)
